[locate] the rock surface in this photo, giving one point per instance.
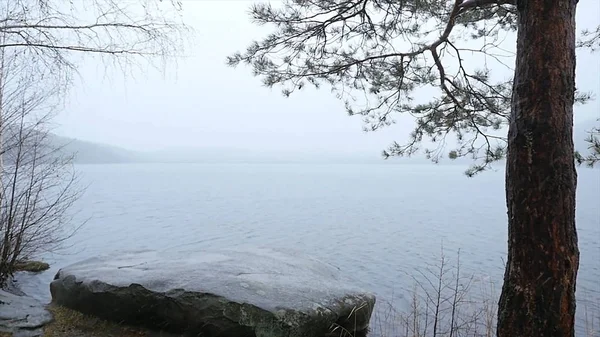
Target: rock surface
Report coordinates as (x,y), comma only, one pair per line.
(229,293)
(22,315)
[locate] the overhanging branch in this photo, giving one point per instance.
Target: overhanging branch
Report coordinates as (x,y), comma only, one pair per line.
(352,45)
(468,4)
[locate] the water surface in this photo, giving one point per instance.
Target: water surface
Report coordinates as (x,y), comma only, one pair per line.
(376,222)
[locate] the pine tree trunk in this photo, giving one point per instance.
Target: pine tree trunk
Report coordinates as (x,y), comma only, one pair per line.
(538,295)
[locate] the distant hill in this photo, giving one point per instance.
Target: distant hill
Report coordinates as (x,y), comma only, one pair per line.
(86,152)
(95,153)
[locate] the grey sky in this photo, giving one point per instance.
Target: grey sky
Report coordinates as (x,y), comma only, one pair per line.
(206,104)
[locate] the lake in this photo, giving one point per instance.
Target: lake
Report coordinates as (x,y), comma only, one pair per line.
(376,222)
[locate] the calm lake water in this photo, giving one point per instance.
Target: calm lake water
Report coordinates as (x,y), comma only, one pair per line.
(378,223)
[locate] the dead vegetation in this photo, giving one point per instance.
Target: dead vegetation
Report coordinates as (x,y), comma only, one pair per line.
(70,323)
(31,266)
(447,303)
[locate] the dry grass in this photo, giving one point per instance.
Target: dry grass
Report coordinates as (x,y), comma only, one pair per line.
(445,303)
(70,323)
(31,266)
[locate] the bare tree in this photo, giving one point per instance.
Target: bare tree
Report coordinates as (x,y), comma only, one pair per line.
(49,34)
(443,303)
(40,45)
(54,31)
(38,185)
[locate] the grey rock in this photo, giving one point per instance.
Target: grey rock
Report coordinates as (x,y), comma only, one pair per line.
(21,315)
(228,293)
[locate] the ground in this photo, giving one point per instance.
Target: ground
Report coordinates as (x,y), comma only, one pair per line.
(69,323)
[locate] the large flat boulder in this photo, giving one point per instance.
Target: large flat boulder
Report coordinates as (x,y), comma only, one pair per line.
(228,293)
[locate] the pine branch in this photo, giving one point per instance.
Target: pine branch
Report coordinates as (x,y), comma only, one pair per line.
(352,46)
(468,4)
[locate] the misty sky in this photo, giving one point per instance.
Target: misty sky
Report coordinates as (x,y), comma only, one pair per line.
(204,103)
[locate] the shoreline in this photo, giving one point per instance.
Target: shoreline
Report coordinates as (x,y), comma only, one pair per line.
(24,316)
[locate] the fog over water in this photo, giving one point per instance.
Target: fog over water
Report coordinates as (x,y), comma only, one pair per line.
(378,223)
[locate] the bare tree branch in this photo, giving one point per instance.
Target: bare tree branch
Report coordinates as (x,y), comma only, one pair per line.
(52,32)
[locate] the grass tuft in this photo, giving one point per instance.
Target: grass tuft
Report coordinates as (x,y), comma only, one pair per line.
(31,266)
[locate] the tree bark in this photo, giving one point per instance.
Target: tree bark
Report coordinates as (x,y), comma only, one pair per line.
(538,295)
